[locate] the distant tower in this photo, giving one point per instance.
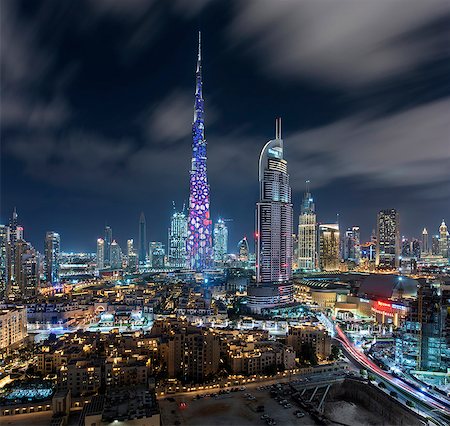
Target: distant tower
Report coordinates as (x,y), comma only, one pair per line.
(274,214)
(243,251)
(3,257)
(100,254)
(199,243)
(443,240)
(52,257)
(108,241)
(142,250)
(307,233)
(132,258)
(352,244)
(388,239)
(177,239)
(220,241)
(329,242)
(425,242)
(116,256)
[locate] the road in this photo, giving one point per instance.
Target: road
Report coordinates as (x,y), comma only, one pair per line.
(427,405)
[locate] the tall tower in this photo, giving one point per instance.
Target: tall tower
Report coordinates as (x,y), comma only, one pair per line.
(425,242)
(177,239)
(52,257)
(443,240)
(199,243)
(307,233)
(108,241)
(100,254)
(220,241)
(142,254)
(274,214)
(388,239)
(329,239)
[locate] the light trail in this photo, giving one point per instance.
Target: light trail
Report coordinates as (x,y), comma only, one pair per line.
(434,409)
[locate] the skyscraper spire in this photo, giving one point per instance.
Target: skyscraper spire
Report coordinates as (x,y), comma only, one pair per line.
(199,243)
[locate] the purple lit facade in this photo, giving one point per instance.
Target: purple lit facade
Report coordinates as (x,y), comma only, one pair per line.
(199,242)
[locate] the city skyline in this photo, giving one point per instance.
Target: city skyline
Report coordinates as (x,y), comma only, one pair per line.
(147,122)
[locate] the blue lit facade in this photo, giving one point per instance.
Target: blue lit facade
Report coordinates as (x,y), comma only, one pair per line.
(199,242)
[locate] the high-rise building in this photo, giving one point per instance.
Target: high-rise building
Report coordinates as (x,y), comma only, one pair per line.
(3,257)
(243,251)
(199,243)
(116,256)
(443,240)
(142,250)
(220,241)
(274,214)
(26,270)
(425,242)
(100,254)
(108,241)
(52,257)
(177,240)
(132,258)
(13,231)
(329,247)
(352,244)
(388,239)
(307,233)
(157,254)
(435,245)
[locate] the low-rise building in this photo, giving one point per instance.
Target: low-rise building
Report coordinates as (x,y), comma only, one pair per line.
(315,336)
(13,327)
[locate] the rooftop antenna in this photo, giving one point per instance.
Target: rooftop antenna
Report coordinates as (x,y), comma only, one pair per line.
(307,186)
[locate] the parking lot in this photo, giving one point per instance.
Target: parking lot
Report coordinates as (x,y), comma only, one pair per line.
(252,405)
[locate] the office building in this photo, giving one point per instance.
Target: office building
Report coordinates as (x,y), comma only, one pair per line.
(220,241)
(352,245)
(243,251)
(157,254)
(421,340)
(142,249)
(116,256)
(307,233)
(388,239)
(100,254)
(443,240)
(329,247)
(132,257)
(26,270)
(108,240)
(3,257)
(199,243)
(435,249)
(52,257)
(177,239)
(425,242)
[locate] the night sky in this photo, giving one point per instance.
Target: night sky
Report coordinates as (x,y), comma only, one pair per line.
(97,103)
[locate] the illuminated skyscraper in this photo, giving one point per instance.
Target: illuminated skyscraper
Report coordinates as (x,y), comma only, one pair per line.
(274,214)
(142,251)
(388,239)
(26,271)
(352,244)
(177,239)
(220,241)
(3,257)
(52,257)
(425,242)
(100,254)
(116,256)
(243,251)
(157,254)
(435,245)
(329,247)
(307,233)
(108,241)
(132,259)
(443,240)
(199,243)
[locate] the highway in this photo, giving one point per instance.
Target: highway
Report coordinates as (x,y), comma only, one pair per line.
(437,412)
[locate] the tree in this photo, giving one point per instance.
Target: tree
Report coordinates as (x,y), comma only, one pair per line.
(335,352)
(308,354)
(382,385)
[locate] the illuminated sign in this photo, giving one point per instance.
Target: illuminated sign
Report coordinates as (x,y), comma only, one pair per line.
(364,300)
(274,152)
